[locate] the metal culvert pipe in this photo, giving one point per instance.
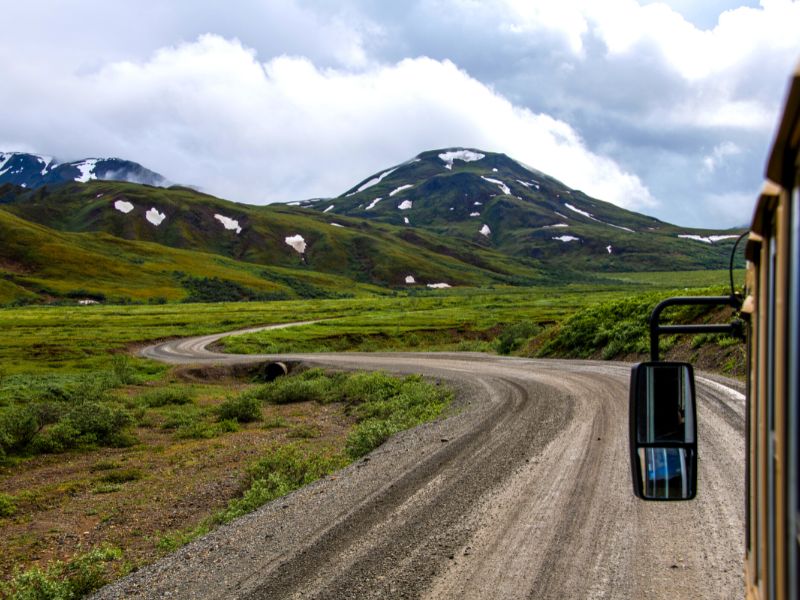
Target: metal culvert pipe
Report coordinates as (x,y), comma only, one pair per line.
(273,370)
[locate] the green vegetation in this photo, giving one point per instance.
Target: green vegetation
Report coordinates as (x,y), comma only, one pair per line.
(7,505)
(62,581)
(619,329)
(281,470)
(68,384)
(242,409)
(381,406)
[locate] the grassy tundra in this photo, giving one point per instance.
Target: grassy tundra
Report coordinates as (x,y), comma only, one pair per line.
(107,461)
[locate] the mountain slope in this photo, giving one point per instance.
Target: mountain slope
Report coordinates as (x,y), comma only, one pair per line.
(37,263)
(496,202)
(277,235)
(34,170)
(446,218)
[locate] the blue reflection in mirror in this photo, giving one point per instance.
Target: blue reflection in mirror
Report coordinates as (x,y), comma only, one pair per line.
(667,472)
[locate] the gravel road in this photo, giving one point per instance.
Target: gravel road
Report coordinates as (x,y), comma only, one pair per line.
(522,492)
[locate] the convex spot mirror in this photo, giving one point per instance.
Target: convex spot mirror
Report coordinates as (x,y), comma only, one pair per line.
(663,431)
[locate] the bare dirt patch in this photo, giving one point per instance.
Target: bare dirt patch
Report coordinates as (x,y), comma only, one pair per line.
(131,497)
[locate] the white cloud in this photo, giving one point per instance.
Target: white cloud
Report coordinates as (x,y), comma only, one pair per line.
(718,155)
(625,26)
(209,113)
(620,98)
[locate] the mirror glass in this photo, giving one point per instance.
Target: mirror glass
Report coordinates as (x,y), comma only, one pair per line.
(667,472)
(665,405)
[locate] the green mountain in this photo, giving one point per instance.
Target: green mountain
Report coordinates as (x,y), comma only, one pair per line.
(40,264)
(496,202)
(446,218)
(71,240)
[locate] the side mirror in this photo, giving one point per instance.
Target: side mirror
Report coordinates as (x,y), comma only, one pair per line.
(663,431)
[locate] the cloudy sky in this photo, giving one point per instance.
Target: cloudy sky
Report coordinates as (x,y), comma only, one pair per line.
(667,108)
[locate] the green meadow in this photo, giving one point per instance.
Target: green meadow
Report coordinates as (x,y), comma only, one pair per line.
(109,446)
(80,339)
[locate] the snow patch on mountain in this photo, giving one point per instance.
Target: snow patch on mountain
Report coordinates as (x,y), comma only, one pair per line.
(707,239)
(589,215)
(372,204)
(337,225)
(406,221)
(485,231)
(580,212)
(87,170)
(155,217)
(475,214)
(4,158)
(439,286)
(123,206)
(529,184)
(45,160)
(405,205)
(297,242)
(400,189)
(374,181)
(555,226)
(567,238)
(619,227)
(465,155)
(609,248)
(503,187)
(229,223)
(410,279)
(330,208)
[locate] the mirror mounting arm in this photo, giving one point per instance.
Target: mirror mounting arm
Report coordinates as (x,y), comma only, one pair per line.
(656,329)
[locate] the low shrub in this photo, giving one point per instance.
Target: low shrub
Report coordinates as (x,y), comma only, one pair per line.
(384,405)
(166,396)
(7,505)
(312,385)
(63,581)
(175,418)
(367,436)
(197,430)
(281,470)
(99,423)
(243,408)
(86,424)
(122,370)
(514,336)
(18,426)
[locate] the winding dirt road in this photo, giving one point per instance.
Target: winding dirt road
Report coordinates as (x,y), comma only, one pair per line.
(523,492)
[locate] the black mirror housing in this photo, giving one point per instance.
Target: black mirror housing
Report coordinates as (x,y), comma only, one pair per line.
(663,431)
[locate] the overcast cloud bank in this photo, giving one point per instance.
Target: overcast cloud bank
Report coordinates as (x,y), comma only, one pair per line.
(286,100)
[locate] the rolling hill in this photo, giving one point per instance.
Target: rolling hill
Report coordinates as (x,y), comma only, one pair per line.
(457,217)
(107,217)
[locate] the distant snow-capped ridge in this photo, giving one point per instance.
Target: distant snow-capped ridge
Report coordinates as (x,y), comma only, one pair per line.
(36,170)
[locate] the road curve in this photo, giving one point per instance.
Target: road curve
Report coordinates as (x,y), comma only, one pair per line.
(522,492)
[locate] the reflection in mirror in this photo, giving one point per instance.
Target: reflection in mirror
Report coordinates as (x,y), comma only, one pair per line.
(665,411)
(667,472)
(663,431)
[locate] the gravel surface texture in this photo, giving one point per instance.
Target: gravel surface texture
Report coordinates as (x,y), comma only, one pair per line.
(523,491)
